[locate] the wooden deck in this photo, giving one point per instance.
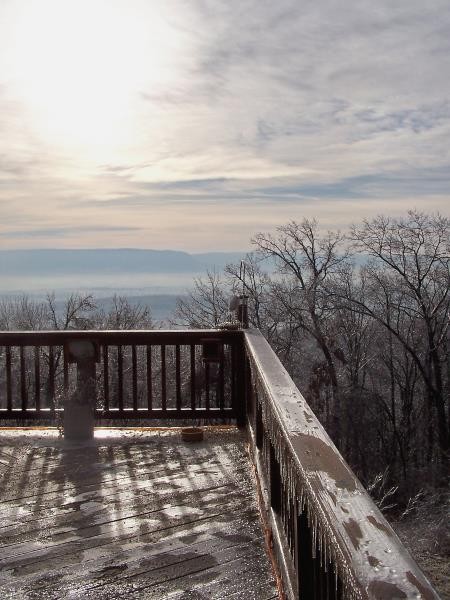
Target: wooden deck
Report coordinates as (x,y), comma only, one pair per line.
(141,515)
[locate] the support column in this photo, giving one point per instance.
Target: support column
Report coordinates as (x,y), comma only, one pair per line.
(79,408)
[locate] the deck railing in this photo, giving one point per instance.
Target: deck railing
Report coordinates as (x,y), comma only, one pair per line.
(330,540)
(138,374)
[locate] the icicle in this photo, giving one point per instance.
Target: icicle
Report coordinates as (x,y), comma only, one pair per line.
(301,500)
(314,536)
(298,486)
(320,547)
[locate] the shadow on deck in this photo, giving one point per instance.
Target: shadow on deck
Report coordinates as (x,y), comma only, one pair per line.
(140,514)
(151,517)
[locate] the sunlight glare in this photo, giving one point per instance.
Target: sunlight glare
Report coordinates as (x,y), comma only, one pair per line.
(80,67)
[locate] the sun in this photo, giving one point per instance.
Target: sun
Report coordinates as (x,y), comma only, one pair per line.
(79,67)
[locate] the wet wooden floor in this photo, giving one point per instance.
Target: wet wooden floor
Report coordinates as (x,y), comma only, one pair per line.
(140,515)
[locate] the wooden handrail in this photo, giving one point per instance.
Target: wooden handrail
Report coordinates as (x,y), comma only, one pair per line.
(139,374)
(317,499)
(331,540)
(116,337)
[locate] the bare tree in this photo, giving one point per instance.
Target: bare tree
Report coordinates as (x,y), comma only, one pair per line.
(254,282)
(22,313)
(70,314)
(307,261)
(123,315)
(410,279)
(206,305)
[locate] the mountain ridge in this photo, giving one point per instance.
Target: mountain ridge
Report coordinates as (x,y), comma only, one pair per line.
(110,260)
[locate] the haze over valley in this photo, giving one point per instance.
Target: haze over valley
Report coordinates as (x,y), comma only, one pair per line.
(150,277)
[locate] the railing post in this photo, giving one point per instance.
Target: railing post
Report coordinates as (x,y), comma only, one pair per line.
(259,425)
(79,407)
(242,311)
(304,557)
(275,481)
(241,386)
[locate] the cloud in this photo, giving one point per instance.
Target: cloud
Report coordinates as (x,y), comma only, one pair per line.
(59,232)
(262,112)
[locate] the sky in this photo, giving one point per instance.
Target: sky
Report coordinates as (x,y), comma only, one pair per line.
(195,125)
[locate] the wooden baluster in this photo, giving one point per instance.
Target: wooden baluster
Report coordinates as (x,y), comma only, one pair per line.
(37,378)
(106,376)
(249,392)
(149,379)
(178,375)
(120,376)
(221,382)
(340,589)
(8,379)
(66,373)
(295,538)
(290,525)
(163,378)
(234,395)
(305,561)
(275,482)
(134,377)
(259,425)
(23,380)
(51,378)
(318,572)
(193,382)
(331,582)
(207,391)
(239,368)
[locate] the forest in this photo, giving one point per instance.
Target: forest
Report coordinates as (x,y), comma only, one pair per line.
(361,322)
(359,319)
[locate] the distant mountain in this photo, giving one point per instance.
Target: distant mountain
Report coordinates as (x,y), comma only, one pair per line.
(218,260)
(110,261)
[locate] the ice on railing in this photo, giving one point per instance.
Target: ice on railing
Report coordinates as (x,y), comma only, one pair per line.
(298,488)
(346,528)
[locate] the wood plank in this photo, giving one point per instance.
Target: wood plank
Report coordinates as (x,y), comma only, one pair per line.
(81,479)
(77,485)
(140,558)
(93,514)
(165,578)
(149,517)
(195,533)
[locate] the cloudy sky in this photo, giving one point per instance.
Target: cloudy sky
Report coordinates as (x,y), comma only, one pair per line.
(194,125)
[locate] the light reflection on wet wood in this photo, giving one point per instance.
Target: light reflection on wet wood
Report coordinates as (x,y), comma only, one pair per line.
(141,514)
